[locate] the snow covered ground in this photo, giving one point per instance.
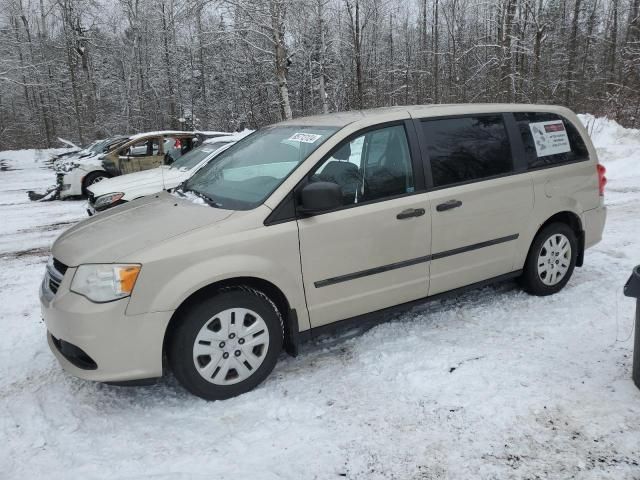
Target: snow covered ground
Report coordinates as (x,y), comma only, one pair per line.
(494,384)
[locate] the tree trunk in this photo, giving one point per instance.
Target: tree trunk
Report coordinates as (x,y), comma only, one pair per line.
(321,54)
(572,52)
(69,39)
(356,38)
(537,48)
(201,66)
(173,119)
(612,46)
(631,51)
(436,76)
(506,63)
(280,50)
(38,98)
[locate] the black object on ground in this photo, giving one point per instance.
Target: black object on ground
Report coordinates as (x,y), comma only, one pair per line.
(632,289)
(51,194)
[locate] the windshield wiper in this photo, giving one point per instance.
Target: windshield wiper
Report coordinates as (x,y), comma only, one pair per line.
(182,189)
(210,201)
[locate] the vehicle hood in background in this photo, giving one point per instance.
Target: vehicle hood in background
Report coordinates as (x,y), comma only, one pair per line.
(66,164)
(120,231)
(162,177)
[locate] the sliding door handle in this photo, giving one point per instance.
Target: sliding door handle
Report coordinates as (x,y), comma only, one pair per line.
(410,213)
(449,205)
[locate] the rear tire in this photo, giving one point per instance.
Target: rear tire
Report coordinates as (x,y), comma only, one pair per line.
(227,344)
(551,260)
(92,178)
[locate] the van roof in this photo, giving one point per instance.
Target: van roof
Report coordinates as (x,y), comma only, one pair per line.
(228,138)
(340,119)
(159,133)
(178,133)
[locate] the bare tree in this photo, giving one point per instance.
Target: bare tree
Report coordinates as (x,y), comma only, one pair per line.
(88,68)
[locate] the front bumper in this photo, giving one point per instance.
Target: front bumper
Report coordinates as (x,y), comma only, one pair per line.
(123,347)
(70,183)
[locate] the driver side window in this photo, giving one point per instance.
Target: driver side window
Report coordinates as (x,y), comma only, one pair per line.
(143,148)
(372,166)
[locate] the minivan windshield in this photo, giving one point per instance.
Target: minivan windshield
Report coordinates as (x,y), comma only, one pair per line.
(195,156)
(243,176)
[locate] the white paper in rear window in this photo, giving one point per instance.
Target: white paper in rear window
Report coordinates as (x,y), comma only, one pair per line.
(550,138)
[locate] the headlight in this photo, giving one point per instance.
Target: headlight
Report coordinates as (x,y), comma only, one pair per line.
(104,201)
(106,282)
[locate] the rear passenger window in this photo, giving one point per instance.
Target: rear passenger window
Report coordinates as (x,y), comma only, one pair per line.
(529,122)
(467,148)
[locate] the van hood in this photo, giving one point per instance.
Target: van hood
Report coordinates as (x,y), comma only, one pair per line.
(161,177)
(120,231)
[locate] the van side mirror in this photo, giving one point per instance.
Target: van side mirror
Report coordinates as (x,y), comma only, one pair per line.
(319,197)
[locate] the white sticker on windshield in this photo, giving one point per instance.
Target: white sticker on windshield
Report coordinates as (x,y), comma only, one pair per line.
(305,137)
(550,138)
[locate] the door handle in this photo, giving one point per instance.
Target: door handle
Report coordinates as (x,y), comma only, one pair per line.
(410,213)
(449,205)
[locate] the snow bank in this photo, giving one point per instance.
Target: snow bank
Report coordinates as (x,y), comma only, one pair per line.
(605,132)
(21,158)
(619,151)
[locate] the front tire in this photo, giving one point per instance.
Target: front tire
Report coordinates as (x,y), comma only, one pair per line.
(551,260)
(227,344)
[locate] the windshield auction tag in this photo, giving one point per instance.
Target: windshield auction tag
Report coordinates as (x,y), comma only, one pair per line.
(304,137)
(550,138)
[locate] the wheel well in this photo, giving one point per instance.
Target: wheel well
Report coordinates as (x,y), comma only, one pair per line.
(268,288)
(84,179)
(571,219)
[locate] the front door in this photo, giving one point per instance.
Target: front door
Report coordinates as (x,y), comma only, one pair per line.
(141,155)
(373,252)
(479,208)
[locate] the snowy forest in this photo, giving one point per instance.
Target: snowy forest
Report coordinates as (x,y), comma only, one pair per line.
(86,69)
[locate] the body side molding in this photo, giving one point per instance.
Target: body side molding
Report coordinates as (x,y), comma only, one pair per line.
(412,261)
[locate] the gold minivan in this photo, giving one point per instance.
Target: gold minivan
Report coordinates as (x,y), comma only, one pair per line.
(319,222)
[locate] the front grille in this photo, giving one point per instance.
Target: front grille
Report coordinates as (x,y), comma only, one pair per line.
(53,285)
(59,266)
(54,275)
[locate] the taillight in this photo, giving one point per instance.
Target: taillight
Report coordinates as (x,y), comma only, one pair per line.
(602,180)
(178,143)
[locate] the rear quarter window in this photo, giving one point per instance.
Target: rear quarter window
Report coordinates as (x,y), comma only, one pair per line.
(537,159)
